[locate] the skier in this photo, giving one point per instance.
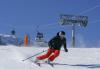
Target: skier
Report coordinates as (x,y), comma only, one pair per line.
(55,45)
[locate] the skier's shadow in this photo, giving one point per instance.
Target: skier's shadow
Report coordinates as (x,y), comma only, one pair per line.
(81,65)
(88,65)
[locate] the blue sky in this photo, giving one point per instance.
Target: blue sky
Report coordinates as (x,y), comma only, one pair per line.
(25,15)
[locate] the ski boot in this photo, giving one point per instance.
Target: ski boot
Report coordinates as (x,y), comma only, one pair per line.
(49,62)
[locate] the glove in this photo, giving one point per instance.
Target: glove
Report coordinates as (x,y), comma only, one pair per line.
(66,50)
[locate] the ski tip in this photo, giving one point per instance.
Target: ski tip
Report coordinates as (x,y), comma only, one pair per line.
(23,60)
(39,64)
(52,65)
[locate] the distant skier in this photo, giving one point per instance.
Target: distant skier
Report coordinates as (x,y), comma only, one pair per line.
(55,45)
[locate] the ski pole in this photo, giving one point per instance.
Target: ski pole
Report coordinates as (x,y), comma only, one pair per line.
(34,55)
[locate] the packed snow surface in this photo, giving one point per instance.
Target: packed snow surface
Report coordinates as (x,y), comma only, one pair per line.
(76,58)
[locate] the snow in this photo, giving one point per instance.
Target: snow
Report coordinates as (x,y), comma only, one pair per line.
(77,58)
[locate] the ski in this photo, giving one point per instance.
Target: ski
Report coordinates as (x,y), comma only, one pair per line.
(38,64)
(51,64)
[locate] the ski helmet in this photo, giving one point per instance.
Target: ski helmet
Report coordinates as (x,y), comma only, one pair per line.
(61,33)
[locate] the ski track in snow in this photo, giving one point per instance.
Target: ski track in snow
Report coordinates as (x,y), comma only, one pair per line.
(77,58)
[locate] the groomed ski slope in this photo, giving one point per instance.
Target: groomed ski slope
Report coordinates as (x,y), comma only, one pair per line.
(77,58)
